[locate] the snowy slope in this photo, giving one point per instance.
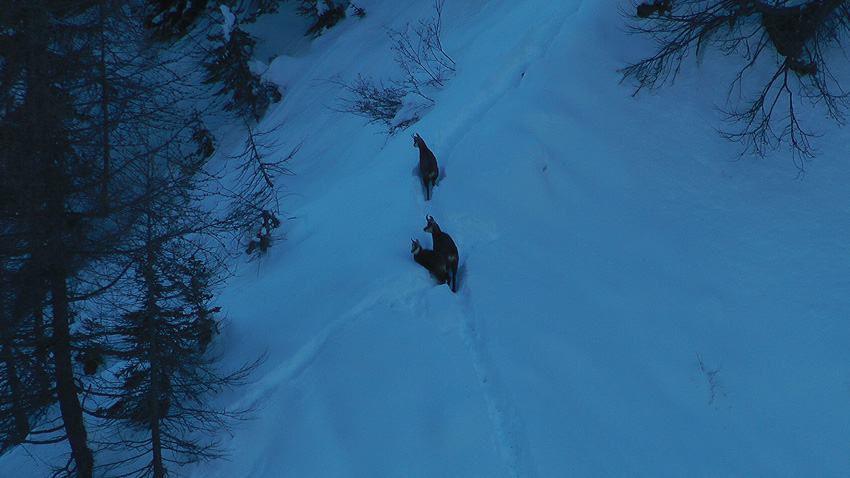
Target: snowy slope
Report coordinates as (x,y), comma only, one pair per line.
(632,302)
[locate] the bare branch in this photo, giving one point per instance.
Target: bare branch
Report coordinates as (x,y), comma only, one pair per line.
(803,38)
(424,65)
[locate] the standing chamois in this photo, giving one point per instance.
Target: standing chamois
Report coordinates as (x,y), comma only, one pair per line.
(427,166)
(436,263)
(444,244)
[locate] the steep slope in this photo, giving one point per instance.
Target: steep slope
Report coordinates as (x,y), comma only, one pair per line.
(632,302)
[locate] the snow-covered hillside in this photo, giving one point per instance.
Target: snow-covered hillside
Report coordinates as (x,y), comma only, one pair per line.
(632,302)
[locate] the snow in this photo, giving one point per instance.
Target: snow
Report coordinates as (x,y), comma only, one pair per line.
(632,301)
(229,22)
(321,7)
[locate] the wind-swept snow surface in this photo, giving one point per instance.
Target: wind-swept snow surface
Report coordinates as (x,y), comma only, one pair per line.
(631,302)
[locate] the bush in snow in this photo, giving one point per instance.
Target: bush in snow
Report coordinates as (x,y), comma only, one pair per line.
(262,241)
(420,55)
(424,65)
(372,100)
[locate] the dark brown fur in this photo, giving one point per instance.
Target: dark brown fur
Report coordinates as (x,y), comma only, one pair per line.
(427,166)
(436,263)
(444,244)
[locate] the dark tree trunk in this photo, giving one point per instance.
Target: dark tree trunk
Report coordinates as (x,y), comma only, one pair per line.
(42,354)
(66,389)
(20,427)
(57,238)
(153,358)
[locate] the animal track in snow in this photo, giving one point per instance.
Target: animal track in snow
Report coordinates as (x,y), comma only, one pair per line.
(508,429)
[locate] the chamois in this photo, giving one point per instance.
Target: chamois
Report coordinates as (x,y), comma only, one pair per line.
(444,244)
(435,262)
(427,166)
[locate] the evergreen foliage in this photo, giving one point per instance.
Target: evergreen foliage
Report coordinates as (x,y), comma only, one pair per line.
(228,66)
(332,14)
(171,19)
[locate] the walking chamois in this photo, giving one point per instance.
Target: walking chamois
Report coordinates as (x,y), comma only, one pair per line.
(427,166)
(444,244)
(436,263)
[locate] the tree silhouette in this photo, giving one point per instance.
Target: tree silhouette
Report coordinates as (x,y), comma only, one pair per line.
(791,50)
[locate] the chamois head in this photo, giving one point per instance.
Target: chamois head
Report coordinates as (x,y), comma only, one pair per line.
(432,225)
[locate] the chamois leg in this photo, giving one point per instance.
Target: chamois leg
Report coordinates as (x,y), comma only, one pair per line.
(454,277)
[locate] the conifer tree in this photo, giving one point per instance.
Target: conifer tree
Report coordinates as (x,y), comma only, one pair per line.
(247,95)
(160,343)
